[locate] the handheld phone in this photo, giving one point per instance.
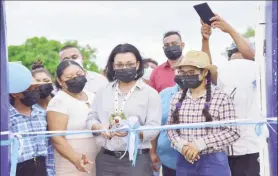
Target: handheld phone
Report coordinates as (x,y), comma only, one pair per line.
(204,12)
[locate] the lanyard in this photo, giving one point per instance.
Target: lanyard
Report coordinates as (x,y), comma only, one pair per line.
(117,108)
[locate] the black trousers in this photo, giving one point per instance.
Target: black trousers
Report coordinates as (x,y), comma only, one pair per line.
(245,165)
(32,167)
(166,171)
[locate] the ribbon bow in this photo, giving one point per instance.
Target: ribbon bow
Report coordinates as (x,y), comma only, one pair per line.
(132,139)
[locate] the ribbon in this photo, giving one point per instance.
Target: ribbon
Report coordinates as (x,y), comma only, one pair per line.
(272,120)
(132,139)
(133,143)
(15,148)
(258,129)
(133,129)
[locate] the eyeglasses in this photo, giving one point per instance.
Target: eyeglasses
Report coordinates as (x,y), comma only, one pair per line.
(129,65)
(190,72)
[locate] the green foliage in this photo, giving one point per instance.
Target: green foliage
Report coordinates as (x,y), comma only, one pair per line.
(250,32)
(48,52)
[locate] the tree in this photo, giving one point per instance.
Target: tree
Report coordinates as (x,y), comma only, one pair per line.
(48,52)
(250,32)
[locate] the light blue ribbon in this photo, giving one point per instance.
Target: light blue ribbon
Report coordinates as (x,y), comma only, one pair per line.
(258,129)
(15,148)
(136,134)
(6,142)
(131,130)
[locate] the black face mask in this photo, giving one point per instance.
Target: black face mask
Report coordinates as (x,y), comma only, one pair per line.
(126,75)
(189,81)
(76,84)
(180,80)
(173,52)
(45,90)
(30,98)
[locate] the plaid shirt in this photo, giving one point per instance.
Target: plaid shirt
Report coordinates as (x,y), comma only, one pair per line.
(215,139)
(31,147)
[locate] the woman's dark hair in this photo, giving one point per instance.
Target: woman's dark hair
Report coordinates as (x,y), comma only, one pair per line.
(60,70)
(123,48)
(205,111)
(37,67)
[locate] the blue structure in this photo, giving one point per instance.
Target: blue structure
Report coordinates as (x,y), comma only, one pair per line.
(4,93)
(271,79)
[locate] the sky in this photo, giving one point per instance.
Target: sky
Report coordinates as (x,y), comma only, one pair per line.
(104,24)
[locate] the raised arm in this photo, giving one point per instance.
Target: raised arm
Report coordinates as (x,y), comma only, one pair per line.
(246,51)
(206,32)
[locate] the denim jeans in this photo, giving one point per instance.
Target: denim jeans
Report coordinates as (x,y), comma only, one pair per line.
(214,164)
(166,171)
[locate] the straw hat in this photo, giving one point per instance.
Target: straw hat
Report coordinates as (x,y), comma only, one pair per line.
(197,59)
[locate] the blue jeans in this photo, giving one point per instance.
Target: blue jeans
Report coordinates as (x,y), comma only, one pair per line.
(214,164)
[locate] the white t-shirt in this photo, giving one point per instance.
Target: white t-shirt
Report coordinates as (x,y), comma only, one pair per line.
(95,81)
(238,79)
(76,110)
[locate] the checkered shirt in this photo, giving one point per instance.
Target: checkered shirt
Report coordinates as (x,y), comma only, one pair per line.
(31,147)
(216,138)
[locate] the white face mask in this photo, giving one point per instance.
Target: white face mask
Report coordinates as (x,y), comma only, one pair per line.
(147,73)
(79,61)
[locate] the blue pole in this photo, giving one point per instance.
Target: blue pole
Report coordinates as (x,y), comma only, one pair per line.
(271,79)
(4,94)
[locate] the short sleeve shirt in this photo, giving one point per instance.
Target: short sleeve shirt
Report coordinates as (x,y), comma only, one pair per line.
(76,110)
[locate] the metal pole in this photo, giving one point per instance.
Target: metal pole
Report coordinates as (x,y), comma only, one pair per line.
(271,80)
(4,94)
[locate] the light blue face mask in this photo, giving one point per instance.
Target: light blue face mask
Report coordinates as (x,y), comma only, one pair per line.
(147,73)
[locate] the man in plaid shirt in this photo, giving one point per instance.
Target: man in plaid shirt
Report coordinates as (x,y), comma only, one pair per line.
(25,116)
(202,150)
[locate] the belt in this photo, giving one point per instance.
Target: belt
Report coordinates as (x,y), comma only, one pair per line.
(119,154)
(33,160)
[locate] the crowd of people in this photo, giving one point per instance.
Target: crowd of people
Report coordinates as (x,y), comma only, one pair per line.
(186,88)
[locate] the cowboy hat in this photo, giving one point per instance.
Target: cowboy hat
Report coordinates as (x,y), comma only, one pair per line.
(197,59)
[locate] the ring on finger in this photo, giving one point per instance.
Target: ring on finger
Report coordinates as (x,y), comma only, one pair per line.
(193,153)
(189,153)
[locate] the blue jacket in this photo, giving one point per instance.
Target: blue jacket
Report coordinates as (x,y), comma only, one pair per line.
(166,153)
